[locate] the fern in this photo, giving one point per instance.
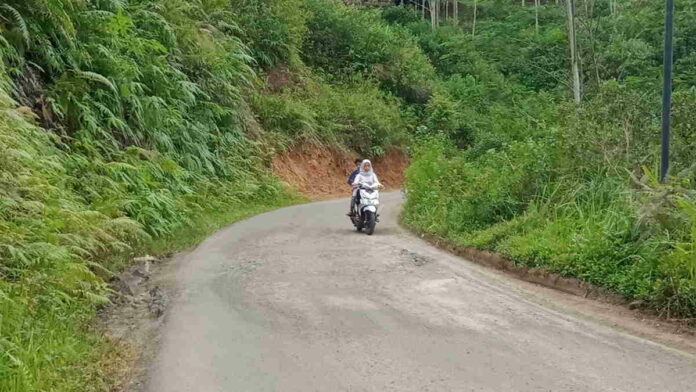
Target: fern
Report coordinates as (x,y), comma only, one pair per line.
(146,115)
(19,21)
(95,77)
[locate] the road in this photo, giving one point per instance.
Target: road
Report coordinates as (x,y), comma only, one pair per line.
(294,300)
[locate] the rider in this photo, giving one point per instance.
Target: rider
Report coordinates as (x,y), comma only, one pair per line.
(351,178)
(355,172)
(366,176)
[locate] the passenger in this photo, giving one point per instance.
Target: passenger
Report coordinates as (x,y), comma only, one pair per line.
(366,176)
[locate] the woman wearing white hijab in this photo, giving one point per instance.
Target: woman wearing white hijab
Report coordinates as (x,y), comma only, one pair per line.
(366,176)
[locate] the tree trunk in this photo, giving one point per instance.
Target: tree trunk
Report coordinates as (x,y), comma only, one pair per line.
(536,15)
(433,13)
(575,68)
(473,25)
(455,11)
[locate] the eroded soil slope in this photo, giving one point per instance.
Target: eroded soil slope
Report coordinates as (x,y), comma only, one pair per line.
(320,173)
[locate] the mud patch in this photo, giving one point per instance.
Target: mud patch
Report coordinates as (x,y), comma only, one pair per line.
(133,319)
(281,77)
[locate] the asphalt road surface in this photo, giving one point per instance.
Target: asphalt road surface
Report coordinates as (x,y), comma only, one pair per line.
(295,300)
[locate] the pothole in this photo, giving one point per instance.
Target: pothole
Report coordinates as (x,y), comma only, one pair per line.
(415,258)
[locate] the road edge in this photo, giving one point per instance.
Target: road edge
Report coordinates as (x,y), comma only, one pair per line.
(585,299)
(129,324)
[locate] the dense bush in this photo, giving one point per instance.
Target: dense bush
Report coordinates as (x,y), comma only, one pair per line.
(514,167)
(596,228)
(273,29)
(343,41)
(150,112)
(143,107)
(355,115)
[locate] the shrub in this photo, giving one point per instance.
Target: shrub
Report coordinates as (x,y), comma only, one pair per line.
(343,41)
(354,114)
(274,30)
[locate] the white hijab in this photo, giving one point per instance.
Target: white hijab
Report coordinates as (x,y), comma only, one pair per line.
(367,177)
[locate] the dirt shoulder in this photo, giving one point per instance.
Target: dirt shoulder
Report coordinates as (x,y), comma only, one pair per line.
(133,321)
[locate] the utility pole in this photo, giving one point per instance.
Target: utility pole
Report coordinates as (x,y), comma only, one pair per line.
(667,88)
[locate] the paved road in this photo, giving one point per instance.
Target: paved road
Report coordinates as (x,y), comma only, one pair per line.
(294,300)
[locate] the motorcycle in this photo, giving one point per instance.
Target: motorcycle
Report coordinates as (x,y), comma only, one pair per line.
(365,214)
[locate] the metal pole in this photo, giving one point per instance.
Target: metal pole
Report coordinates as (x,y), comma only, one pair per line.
(667,88)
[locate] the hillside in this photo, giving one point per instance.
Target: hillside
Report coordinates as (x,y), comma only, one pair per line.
(130,127)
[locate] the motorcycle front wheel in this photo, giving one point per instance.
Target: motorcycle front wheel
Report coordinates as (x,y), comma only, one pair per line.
(370,222)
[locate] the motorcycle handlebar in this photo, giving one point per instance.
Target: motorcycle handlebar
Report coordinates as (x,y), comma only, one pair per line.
(364,186)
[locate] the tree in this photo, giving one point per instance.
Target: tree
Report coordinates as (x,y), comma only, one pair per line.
(434,13)
(574,62)
(473,25)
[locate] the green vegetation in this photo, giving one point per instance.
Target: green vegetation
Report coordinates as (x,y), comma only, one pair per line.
(133,126)
(509,163)
(142,113)
(139,126)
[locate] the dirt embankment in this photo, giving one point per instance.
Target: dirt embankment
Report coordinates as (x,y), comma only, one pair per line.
(321,173)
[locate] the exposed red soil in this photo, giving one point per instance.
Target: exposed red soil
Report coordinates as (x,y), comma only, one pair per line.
(320,173)
(280,78)
(390,168)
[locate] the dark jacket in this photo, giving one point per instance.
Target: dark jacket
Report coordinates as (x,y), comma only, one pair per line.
(352,176)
